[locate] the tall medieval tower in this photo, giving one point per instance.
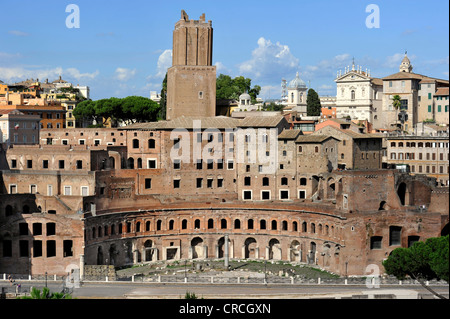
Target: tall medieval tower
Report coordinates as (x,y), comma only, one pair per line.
(191,81)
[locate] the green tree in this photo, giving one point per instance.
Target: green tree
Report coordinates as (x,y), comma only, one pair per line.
(396,103)
(313,106)
(228,88)
(163,102)
(422,261)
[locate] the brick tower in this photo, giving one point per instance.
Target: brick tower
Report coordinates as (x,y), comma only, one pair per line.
(191,81)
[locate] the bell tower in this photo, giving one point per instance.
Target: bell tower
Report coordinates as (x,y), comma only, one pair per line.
(191,81)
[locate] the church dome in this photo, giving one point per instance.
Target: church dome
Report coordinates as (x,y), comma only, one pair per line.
(297,83)
(245,96)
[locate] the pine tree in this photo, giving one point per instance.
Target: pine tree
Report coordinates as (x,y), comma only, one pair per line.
(313,106)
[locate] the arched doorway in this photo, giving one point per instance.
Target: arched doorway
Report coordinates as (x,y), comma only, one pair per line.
(250,248)
(197,247)
(274,249)
(295,251)
(312,253)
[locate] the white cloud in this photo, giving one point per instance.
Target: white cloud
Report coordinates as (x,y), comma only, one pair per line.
(221,68)
(164,62)
(14,74)
(269,61)
(72,72)
(124,74)
(18,33)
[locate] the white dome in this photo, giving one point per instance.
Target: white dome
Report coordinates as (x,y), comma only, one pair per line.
(297,83)
(245,96)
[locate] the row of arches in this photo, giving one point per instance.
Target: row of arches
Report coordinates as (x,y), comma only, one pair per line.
(175,225)
(201,247)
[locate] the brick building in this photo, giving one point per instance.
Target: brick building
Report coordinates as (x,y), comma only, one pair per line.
(175,189)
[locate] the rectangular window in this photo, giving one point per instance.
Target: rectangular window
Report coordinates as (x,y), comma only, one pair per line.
(265,195)
(67,190)
(176,183)
(61,164)
(68,248)
(7,248)
(247,195)
(79,164)
(429,96)
(210,183)
(29,163)
(37,248)
(429,108)
(284,194)
(23,248)
(151,163)
(395,233)
(51,248)
(199,182)
(375,242)
(13,163)
(302,194)
(45,164)
(439,108)
(51,229)
(176,164)
(219,182)
(148,183)
(37,229)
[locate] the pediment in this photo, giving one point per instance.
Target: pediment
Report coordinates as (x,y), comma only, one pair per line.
(352,76)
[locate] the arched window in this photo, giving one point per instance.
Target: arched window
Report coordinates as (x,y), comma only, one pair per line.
(171,223)
(265,181)
(184,224)
(250,224)
(303,181)
(147,225)
(316,149)
(158,225)
(197,224)
(353,95)
(274,225)
(284,181)
(135,143)
(210,223)
(304,227)
(262,224)
(292,97)
(237,224)
(223,223)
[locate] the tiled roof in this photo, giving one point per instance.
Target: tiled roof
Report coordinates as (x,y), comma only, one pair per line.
(289,134)
(313,138)
(261,121)
(441,91)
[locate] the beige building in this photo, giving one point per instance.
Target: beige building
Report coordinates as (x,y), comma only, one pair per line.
(425,155)
(416,92)
(19,128)
(358,95)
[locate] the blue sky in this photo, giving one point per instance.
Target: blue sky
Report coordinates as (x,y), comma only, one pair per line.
(124,47)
